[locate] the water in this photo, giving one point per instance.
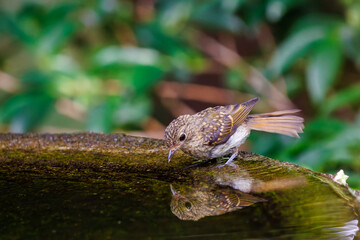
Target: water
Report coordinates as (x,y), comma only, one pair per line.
(248,201)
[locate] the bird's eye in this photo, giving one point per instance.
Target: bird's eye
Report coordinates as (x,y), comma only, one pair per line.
(182,137)
(188,205)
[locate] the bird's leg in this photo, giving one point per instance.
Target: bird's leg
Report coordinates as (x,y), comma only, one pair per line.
(229,161)
(235,153)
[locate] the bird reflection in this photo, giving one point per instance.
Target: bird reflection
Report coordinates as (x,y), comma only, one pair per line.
(196,203)
(216,191)
(346,232)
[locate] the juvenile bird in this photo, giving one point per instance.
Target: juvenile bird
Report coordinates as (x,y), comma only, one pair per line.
(219,131)
(198,202)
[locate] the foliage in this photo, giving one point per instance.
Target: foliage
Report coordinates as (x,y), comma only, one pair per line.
(93,65)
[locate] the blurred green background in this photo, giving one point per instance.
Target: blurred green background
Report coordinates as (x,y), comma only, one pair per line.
(132,66)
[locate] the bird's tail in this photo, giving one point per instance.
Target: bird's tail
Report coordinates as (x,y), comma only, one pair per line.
(282,122)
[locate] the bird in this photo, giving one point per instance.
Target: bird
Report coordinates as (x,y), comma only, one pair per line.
(219,131)
(198,202)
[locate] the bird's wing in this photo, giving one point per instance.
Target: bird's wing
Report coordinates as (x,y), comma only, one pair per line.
(236,199)
(223,121)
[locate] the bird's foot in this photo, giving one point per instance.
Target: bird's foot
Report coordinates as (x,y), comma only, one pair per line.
(231,164)
(229,161)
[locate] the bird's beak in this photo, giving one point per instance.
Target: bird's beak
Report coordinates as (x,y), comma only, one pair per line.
(171,153)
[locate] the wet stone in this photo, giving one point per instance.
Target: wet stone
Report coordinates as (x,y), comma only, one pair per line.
(97,186)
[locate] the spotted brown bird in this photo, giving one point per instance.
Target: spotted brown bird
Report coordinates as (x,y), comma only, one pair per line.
(219,131)
(195,203)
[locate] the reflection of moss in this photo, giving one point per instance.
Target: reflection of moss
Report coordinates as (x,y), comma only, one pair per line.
(43,208)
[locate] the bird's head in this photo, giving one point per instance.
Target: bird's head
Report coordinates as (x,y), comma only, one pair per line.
(176,134)
(185,207)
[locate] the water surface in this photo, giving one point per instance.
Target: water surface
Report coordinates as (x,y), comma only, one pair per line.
(249,201)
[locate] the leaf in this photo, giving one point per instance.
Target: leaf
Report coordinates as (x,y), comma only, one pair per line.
(13,27)
(212,14)
(354,179)
(345,138)
(182,57)
(314,157)
(54,37)
(59,12)
(25,111)
(154,36)
(342,98)
(253,12)
(132,112)
(137,68)
(317,20)
(173,14)
(341,147)
(126,56)
(351,43)
(266,144)
(57,28)
(100,118)
(316,134)
(323,68)
(235,79)
(323,129)
(145,77)
(294,47)
(35,80)
(276,9)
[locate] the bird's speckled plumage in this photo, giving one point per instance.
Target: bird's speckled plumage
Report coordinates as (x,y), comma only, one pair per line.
(194,204)
(218,131)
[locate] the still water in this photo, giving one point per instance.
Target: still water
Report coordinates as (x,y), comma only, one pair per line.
(234,202)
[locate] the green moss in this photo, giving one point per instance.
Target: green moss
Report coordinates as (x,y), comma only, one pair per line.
(99,157)
(135,172)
